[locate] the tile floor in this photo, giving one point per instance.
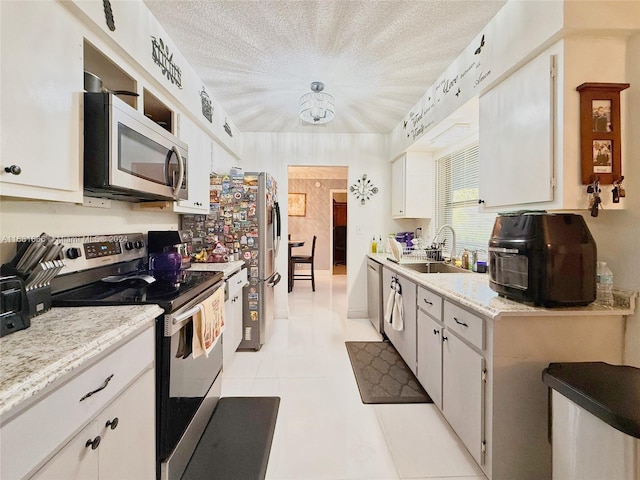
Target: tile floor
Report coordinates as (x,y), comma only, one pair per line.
(323,430)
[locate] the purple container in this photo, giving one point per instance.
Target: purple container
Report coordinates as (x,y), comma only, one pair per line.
(165,262)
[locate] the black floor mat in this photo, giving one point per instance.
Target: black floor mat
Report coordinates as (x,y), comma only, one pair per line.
(237,441)
(382,376)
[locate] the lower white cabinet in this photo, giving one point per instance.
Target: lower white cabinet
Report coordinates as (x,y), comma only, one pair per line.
(429,356)
(119,444)
(463,380)
(403,340)
(233,310)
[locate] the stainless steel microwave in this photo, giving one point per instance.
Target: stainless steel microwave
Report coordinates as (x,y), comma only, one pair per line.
(127,156)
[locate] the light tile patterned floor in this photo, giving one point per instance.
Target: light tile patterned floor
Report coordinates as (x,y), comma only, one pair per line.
(324,431)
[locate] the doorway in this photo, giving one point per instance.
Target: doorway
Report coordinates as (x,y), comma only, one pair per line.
(315,187)
(339,231)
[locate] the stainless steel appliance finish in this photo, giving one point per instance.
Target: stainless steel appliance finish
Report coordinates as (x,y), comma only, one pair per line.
(129,157)
(261,261)
(111,270)
(374,294)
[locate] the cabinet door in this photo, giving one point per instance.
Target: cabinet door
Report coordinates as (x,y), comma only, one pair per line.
(397,187)
(429,333)
(128,446)
(463,392)
(41,91)
(76,460)
(516,137)
(198,168)
(403,340)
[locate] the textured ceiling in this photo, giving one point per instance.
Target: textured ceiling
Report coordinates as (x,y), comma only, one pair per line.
(376,57)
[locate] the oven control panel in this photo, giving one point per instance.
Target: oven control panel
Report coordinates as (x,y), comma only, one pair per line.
(84,252)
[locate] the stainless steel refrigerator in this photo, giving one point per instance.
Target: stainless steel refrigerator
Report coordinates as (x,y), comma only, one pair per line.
(259,244)
(245,217)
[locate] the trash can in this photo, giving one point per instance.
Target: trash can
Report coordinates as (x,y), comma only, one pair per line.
(595,417)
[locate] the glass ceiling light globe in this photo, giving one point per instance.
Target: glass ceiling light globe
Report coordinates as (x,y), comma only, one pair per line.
(317,107)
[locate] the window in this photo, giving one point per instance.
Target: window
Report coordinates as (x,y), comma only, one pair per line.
(457,201)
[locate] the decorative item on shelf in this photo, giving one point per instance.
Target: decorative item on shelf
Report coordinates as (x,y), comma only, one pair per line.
(363,189)
(594,198)
(600,131)
(317,107)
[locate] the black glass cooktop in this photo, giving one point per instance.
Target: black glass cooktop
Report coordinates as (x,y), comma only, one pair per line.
(171,290)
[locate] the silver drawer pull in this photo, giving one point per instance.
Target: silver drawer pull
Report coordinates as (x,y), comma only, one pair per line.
(460,323)
(101,387)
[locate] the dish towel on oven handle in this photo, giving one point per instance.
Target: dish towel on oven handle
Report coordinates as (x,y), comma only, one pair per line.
(394,311)
(208,323)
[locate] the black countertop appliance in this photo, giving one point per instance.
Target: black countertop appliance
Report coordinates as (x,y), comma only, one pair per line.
(544,258)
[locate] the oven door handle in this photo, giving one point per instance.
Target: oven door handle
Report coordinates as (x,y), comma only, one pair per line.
(185,315)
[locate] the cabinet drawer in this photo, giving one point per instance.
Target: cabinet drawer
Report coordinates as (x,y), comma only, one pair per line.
(469,326)
(38,431)
(236,281)
(430,303)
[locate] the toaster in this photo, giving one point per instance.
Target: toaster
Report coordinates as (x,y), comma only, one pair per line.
(547,259)
(14,308)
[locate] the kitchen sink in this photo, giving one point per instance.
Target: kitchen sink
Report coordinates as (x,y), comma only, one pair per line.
(434,267)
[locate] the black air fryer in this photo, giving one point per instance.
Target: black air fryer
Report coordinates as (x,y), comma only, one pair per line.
(545,258)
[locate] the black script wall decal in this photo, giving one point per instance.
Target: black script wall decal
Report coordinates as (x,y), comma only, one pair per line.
(164,59)
(108,15)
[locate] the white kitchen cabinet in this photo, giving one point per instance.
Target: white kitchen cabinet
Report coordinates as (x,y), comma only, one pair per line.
(413,186)
(463,373)
(41,87)
(429,356)
(33,435)
(403,340)
(233,312)
(198,170)
(118,444)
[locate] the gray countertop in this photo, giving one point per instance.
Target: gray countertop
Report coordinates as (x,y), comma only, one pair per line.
(472,290)
(227,269)
(61,341)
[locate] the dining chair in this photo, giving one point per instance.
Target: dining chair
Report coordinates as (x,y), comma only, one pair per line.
(305,259)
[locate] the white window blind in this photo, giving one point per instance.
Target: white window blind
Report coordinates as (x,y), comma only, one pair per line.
(457,201)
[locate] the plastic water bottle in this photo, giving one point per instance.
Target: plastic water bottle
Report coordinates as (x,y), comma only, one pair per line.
(604,284)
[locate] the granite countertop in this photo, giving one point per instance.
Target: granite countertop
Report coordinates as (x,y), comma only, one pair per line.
(227,269)
(472,290)
(59,342)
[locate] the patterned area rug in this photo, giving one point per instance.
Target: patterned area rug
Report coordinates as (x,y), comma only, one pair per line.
(382,375)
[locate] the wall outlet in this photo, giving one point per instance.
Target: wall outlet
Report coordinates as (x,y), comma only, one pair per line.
(358,230)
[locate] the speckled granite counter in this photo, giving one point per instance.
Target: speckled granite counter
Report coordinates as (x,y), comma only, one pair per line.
(472,290)
(227,269)
(59,342)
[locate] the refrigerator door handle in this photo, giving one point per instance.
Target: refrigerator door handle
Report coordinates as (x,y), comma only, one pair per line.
(277,231)
(273,280)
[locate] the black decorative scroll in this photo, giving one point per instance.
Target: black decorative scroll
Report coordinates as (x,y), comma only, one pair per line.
(108,15)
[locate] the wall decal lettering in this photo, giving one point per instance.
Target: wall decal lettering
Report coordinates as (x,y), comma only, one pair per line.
(164,59)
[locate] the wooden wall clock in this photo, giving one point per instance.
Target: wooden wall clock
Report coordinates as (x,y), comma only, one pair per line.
(600,147)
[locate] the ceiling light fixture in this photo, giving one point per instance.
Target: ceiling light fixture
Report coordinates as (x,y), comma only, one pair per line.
(317,107)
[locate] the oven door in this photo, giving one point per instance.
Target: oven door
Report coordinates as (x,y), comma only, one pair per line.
(188,388)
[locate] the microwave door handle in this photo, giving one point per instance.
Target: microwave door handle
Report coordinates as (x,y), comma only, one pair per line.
(178,186)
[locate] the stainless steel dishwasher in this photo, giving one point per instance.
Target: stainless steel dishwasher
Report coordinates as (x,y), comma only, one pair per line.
(374,294)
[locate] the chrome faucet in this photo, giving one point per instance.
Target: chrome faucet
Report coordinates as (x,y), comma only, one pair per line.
(453,235)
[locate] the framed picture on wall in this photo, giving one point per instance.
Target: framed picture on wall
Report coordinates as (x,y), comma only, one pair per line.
(600,132)
(297,204)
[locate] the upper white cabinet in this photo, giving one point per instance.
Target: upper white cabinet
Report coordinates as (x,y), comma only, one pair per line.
(516,137)
(198,170)
(40,93)
(412,185)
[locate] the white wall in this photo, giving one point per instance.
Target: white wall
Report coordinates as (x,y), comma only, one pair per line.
(617,232)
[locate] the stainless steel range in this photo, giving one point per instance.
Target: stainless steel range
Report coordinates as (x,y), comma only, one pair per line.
(112,270)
